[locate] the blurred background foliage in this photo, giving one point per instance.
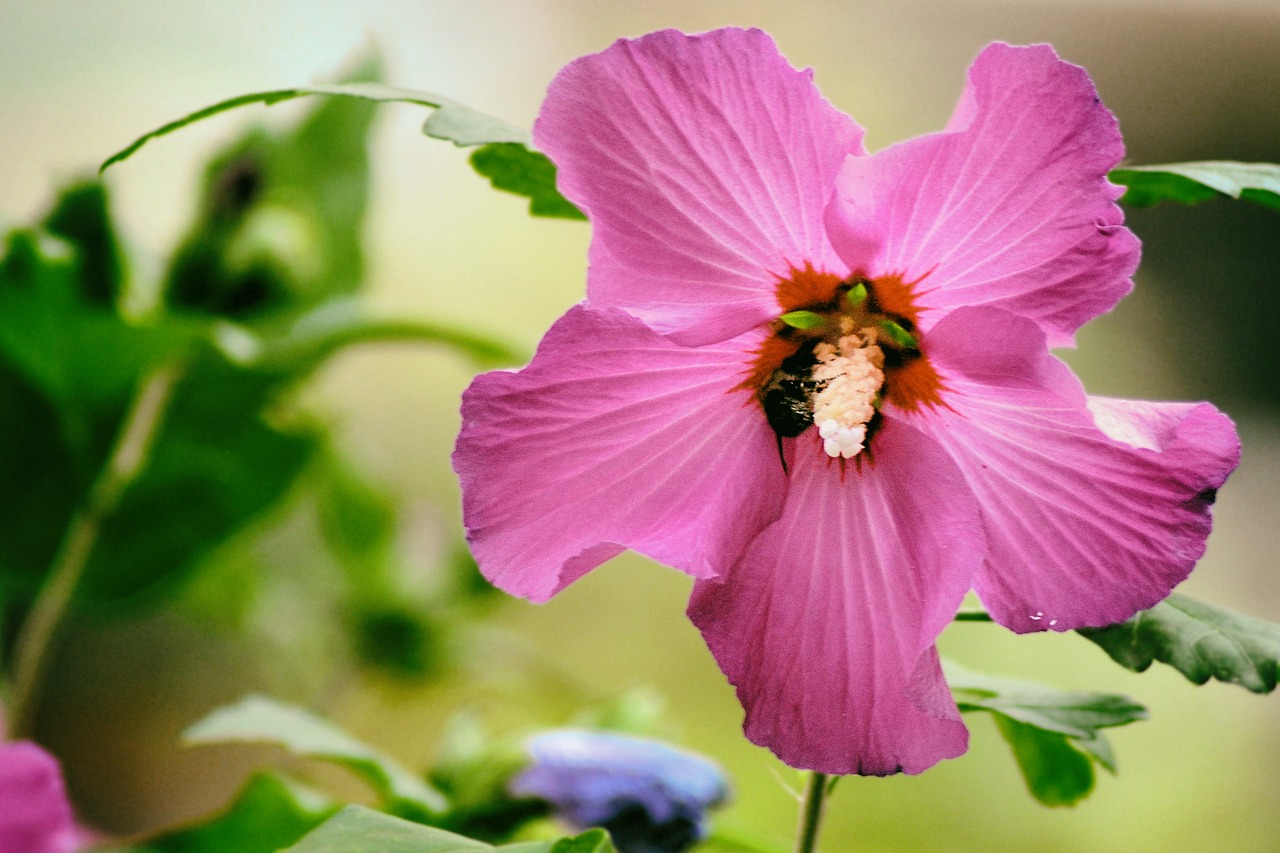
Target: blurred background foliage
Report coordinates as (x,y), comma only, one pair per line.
(297,532)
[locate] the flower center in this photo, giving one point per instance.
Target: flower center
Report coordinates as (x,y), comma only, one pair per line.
(848,374)
(842,349)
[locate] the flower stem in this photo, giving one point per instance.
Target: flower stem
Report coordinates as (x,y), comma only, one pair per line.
(973,616)
(126,461)
(815,797)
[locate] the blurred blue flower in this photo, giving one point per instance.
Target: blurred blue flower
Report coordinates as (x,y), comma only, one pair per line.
(651,797)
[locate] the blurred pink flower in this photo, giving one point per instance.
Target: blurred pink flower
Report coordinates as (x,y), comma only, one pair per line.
(760,287)
(35,816)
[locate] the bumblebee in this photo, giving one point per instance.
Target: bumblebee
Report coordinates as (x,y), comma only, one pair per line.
(787,397)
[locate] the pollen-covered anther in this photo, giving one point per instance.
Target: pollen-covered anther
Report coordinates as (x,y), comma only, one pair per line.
(850,374)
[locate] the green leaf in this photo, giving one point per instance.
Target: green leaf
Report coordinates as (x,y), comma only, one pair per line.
(516,168)
(397,639)
(899,335)
(269,813)
(39,484)
(474,768)
(358,521)
(1199,640)
(451,121)
(1192,183)
(803,319)
(258,719)
(81,355)
(1075,713)
(639,711)
(591,841)
(356,829)
(280,217)
(1053,733)
(216,465)
(1055,772)
(82,218)
(68,367)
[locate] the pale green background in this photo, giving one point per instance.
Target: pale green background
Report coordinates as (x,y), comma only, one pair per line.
(80,79)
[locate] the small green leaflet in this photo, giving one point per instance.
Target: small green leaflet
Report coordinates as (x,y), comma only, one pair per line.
(450,121)
(803,319)
(1053,733)
(257,719)
(899,335)
(518,169)
(1056,773)
(1192,183)
(591,841)
(1199,640)
(269,813)
(356,829)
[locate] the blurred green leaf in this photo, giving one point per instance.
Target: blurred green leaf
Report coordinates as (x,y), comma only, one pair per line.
(391,625)
(267,814)
(591,841)
(398,640)
(359,830)
(83,357)
(1056,773)
(226,588)
(1199,640)
(258,719)
(1052,732)
(516,168)
(358,522)
(81,217)
(1192,183)
(68,367)
(474,768)
(217,464)
(39,485)
(639,711)
(280,217)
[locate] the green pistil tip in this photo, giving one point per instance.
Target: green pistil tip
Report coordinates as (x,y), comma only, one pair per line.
(899,335)
(803,319)
(857,294)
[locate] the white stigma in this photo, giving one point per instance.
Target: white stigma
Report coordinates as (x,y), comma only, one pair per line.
(853,372)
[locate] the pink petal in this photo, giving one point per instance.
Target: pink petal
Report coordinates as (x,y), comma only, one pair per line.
(826,626)
(1094,509)
(705,164)
(35,816)
(1009,207)
(614,437)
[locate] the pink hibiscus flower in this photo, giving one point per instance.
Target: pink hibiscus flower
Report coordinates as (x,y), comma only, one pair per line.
(819,382)
(35,816)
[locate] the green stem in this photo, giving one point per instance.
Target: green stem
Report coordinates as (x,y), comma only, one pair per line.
(128,458)
(811,813)
(973,616)
(317,344)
